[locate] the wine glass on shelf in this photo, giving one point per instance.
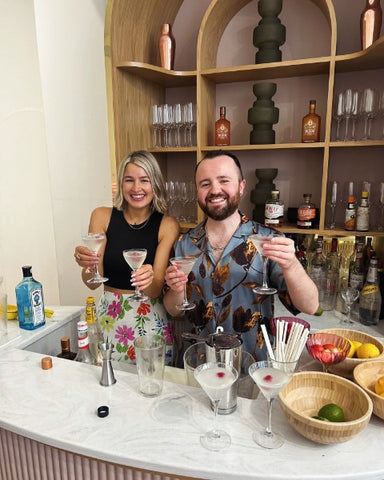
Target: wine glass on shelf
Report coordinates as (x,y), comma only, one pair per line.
(94,241)
(178,120)
(349,295)
(368,110)
(185,264)
(167,124)
(380,227)
(135,258)
(156,125)
(258,241)
(355,112)
(271,376)
(334,189)
(348,103)
(338,113)
(189,121)
(215,379)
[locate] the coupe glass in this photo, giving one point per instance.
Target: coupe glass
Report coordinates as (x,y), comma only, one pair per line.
(258,241)
(94,241)
(270,376)
(135,258)
(215,379)
(185,264)
(327,348)
(349,295)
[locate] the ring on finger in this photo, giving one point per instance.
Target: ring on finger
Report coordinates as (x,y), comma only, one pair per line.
(78,256)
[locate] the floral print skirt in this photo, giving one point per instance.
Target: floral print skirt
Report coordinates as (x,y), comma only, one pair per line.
(122,321)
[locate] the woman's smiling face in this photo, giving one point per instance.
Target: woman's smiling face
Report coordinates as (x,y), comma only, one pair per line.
(137,187)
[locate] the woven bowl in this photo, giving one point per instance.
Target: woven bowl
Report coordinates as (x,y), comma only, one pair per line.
(366,375)
(307,392)
(346,367)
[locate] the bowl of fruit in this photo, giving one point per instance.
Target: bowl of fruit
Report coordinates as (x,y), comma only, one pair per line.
(325,408)
(327,348)
(370,377)
(363,348)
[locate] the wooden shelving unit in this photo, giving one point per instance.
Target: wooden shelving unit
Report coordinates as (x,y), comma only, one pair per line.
(136,82)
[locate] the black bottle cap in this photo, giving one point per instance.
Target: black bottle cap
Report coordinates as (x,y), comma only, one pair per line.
(103,411)
(27,271)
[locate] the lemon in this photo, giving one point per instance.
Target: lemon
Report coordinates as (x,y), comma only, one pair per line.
(332,412)
(356,345)
(367,350)
(379,386)
(352,350)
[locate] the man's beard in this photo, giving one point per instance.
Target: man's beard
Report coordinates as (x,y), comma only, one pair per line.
(221,212)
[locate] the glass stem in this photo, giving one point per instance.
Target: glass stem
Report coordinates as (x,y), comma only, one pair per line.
(265,261)
(333,208)
(348,305)
(338,129)
(185,295)
(215,410)
(268,428)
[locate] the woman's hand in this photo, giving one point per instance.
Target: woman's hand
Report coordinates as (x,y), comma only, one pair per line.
(85,257)
(142,277)
(175,278)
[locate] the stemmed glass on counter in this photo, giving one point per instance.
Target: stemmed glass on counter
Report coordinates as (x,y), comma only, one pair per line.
(135,258)
(349,295)
(215,379)
(185,264)
(94,241)
(271,376)
(258,241)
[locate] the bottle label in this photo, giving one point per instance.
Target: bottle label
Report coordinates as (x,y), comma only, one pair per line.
(37,304)
(356,280)
(83,343)
(362,221)
(305,216)
(369,289)
(273,211)
(350,219)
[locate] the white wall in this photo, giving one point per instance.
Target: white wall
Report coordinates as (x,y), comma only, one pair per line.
(53,137)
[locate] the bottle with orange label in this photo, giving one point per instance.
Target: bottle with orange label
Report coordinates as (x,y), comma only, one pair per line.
(306,213)
(222,129)
(350,214)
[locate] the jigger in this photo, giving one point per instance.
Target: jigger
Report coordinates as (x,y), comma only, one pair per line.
(107,375)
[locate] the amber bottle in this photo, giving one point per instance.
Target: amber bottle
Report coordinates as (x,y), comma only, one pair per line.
(222,129)
(310,131)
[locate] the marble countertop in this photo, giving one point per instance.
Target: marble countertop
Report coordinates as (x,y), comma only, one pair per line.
(58,407)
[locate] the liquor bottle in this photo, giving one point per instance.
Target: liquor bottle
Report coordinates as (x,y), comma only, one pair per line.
(66,349)
(350,214)
(370,23)
(222,129)
(317,271)
(356,267)
(306,213)
(310,131)
(83,354)
(274,210)
(331,279)
(370,297)
(368,253)
(95,335)
(30,301)
(380,274)
(362,215)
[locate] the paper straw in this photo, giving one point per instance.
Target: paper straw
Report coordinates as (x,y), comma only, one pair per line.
(267,342)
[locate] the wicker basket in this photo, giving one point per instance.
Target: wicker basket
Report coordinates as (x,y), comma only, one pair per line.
(345,368)
(307,392)
(366,375)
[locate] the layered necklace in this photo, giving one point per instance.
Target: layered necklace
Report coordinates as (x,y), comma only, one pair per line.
(139,226)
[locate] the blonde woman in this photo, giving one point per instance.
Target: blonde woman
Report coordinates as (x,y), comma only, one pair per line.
(138,220)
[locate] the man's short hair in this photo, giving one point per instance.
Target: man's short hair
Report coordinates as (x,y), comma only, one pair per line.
(219,153)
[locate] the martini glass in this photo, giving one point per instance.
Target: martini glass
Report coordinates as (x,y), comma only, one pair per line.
(94,241)
(135,258)
(215,379)
(185,264)
(349,295)
(270,376)
(258,241)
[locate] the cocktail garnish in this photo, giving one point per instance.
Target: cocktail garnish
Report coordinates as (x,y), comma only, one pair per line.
(268,378)
(220,374)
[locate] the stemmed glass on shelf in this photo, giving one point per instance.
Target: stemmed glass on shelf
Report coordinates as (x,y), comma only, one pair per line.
(348,108)
(258,241)
(338,113)
(185,264)
(334,189)
(94,241)
(135,258)
(215,379)
(189,121)
(355,112)
(271,376)
(380,227)
(368,110)
(157,122)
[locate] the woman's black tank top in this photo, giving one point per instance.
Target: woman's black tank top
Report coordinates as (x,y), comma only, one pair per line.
(120,236)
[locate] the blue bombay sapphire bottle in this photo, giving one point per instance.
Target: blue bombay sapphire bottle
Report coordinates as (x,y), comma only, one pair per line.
(30,301)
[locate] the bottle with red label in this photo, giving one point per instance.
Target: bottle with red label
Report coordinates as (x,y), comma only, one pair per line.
(306,213)
(274,210)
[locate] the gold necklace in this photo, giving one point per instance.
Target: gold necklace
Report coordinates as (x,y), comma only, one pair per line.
(140,225)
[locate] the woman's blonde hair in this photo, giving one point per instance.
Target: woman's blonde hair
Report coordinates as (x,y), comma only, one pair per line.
(149,164)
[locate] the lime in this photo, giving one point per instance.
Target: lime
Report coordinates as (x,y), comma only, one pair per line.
(320,418)
(367,350)
(332,412)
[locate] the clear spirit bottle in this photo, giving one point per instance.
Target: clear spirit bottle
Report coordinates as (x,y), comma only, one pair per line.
(370,297)
(274,210)
(83,354)
(30,301)
(362,216)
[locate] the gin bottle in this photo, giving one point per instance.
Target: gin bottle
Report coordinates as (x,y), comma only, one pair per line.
(274,210)
(30,301)
(370,297)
